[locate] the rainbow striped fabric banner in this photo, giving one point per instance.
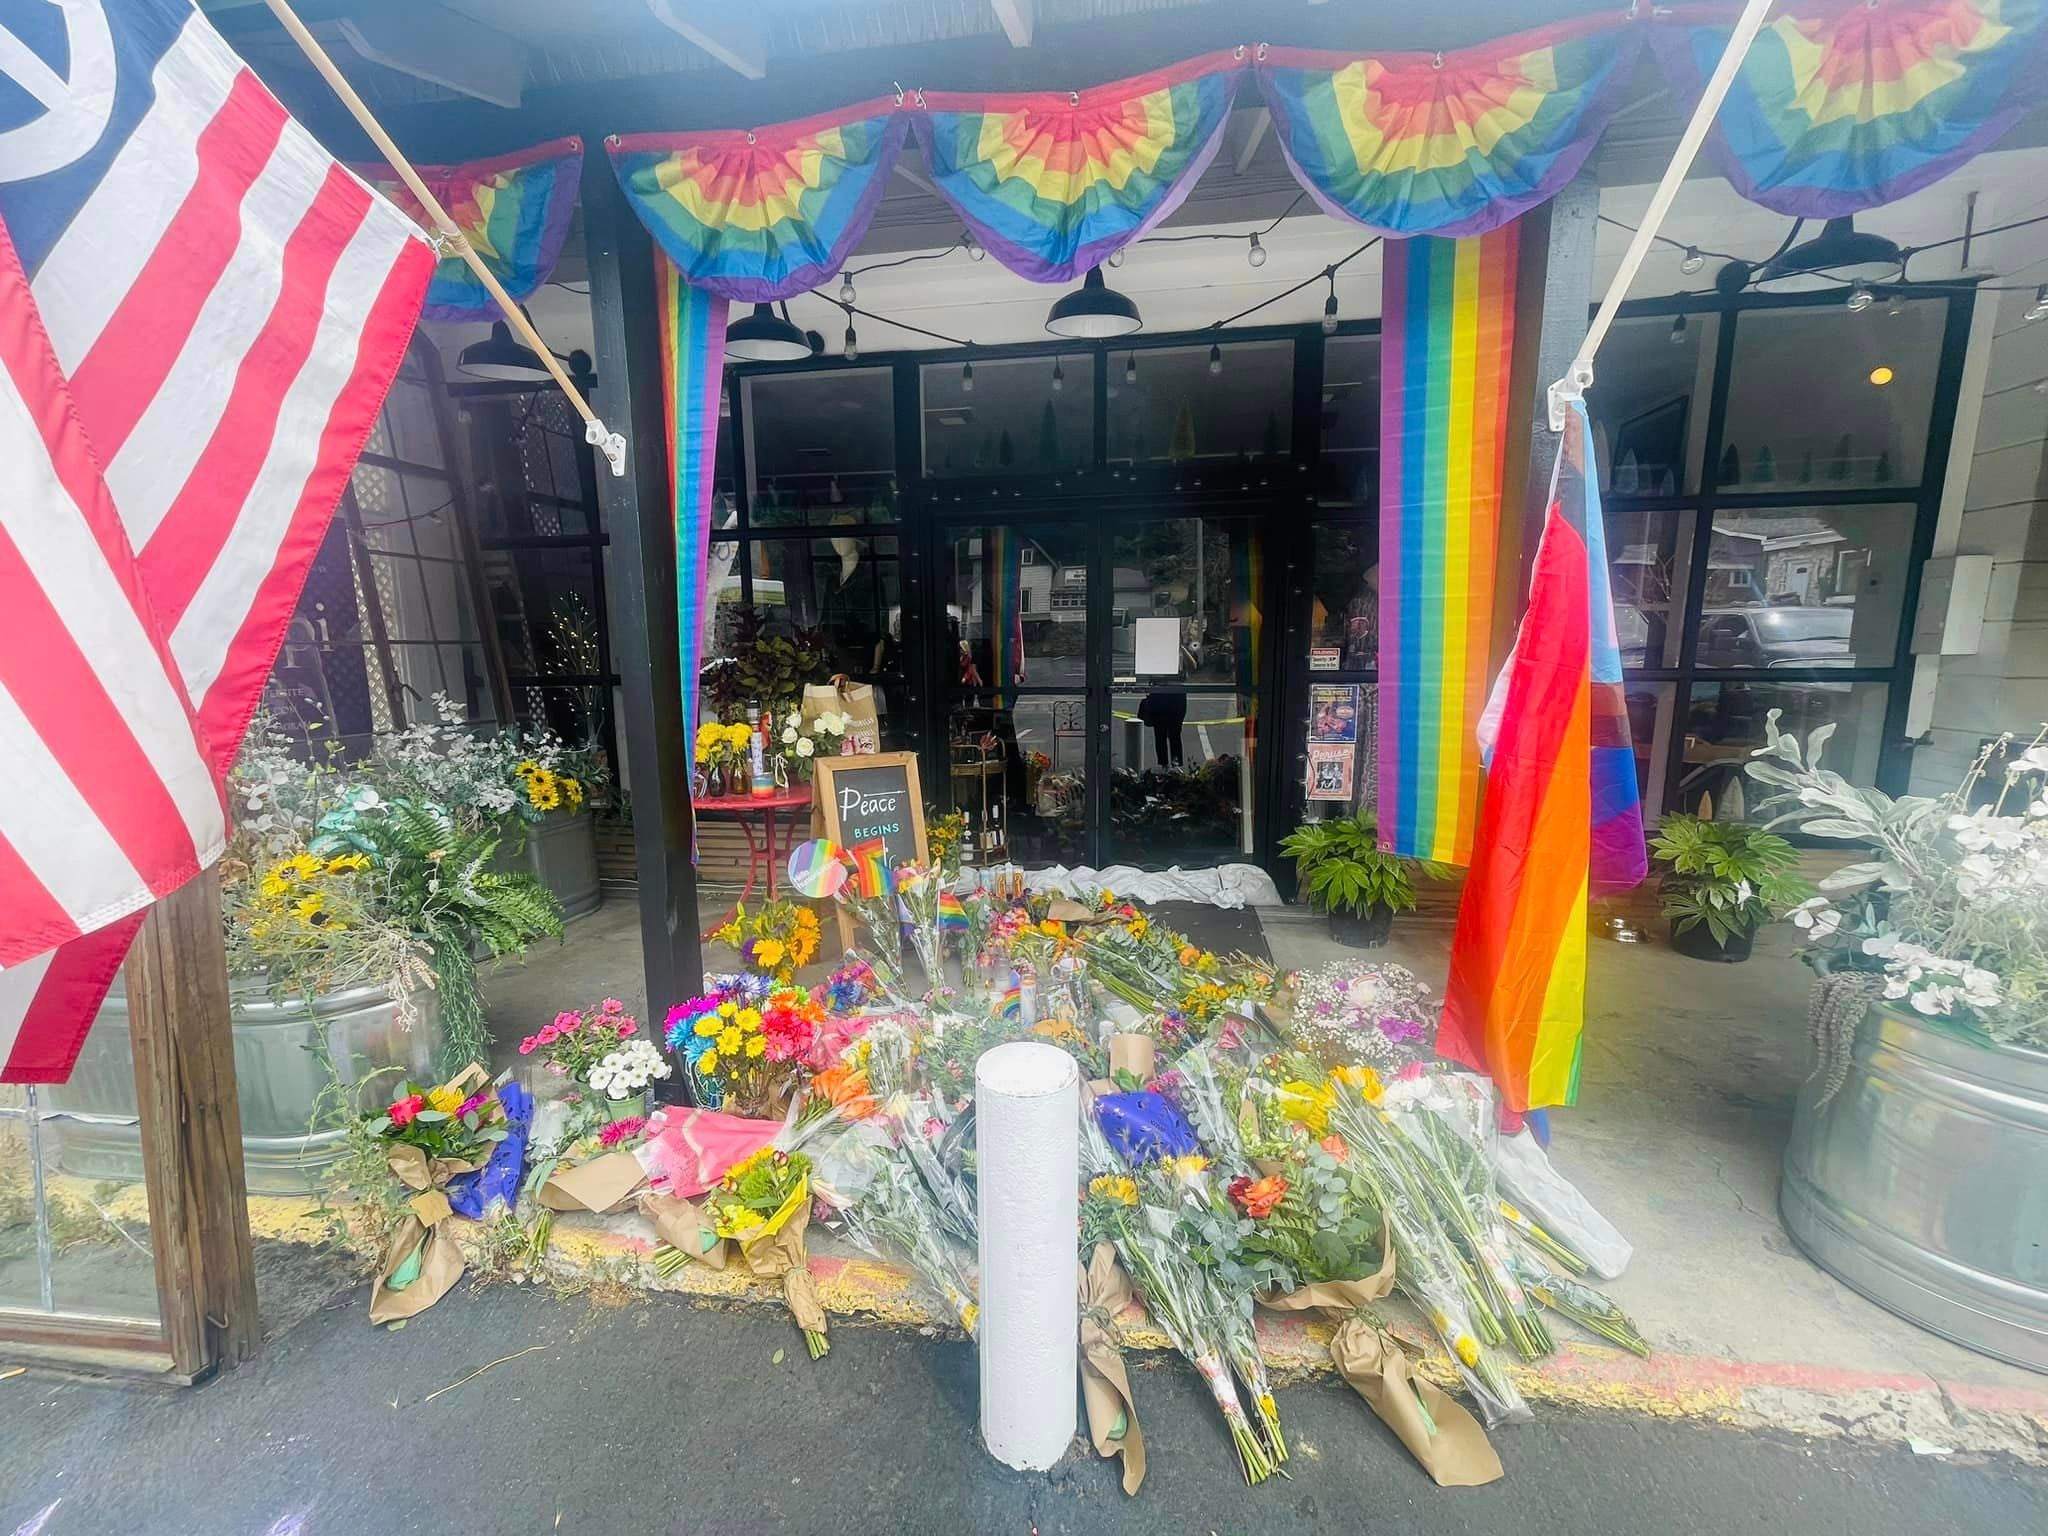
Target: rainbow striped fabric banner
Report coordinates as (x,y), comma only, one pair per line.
(1842,105)
(1450,143)
(1562,821)
(692,362)
(514,210)
(1002,599)
(1446,350)
(767,213)
(1054,183)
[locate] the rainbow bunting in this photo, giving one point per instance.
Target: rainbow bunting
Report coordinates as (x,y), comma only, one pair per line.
(1447,345)
(692,359)
(513,210)
(767,213)
(1002,587)
(1561,822)
(1451,143)
(1054,183)
(1841,106)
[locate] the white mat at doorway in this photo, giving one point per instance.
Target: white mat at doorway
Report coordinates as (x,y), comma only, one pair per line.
(1229,886)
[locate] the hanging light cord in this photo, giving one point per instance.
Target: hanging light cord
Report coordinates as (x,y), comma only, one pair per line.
(901,325)
(1328,273)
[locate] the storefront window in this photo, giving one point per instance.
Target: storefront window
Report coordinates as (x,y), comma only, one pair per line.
(1181,604)
(1043,739)
(844,587)
(1648,557)
(1183,776)
(1823,397)
(1017,606)
(1180,406)
(1351,421)
(1724,725)
(1649,404)
(821,447)
(1010,417)
(1806,587)
(1343,628)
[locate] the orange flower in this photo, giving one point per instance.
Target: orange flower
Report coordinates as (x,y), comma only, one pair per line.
(1334,1145)
(1257,1198)
(846,1087)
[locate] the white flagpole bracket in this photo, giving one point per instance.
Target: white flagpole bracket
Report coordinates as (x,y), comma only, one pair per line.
(611,444)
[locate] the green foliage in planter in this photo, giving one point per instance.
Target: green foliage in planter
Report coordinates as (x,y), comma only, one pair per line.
(1729,875)
(1342,868)
(763,669)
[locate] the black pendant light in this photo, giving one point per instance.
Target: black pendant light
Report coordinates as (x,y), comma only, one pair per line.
(765,337)
(1093,310)
(498,356)
(1840,250)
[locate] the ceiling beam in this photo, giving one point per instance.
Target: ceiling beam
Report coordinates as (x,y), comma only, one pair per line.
(1018,18)
(732,32)
(434,44)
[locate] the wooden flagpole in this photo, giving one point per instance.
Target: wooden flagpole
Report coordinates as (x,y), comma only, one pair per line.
(448,238)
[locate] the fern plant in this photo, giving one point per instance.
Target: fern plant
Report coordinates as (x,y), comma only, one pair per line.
(439,884)
(1342,868)
(1728,875)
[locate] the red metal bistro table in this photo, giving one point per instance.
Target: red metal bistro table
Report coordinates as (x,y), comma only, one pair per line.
(761,852)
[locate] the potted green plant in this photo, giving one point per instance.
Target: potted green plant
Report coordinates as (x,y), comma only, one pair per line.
(1722,881)
(1919,1144)
(1344,872)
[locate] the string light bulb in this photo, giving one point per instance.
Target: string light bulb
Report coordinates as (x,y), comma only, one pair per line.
(1256,255)
(846,293)
(1678,332)
(1330,307)
(1059,376)
(967,378)
(2038,310)
(974,247)
(1859,298)
(851,350)
(1131,369)
(1692,261)
(1116,257)
(1215,358)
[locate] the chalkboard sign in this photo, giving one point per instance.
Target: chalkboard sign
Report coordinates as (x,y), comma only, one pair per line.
(858,799)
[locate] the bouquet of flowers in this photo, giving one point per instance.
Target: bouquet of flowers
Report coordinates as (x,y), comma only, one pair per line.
(802,742)
(1354,1013)
(597,1048)
(446,1122)
(1146,1238)
(721,750)
(763,1204)
(724,1037)
(778,940)
(943,832)
(897,1212)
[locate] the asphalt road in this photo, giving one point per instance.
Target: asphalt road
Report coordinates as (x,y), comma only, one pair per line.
(662,1417)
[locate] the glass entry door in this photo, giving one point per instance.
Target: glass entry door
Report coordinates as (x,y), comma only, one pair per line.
(1106,672)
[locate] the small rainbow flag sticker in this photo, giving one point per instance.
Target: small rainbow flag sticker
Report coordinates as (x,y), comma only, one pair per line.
(871,871)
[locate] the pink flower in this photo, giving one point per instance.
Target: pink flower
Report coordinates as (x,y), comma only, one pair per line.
(616,1131)
(548,1035)
(612,1005)
(566,1021)
(527,1045)
(628,1029)
(1409,1072)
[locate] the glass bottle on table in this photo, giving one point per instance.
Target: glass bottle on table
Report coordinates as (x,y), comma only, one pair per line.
(761,777)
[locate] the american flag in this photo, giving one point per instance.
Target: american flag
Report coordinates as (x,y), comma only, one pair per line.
(225,307)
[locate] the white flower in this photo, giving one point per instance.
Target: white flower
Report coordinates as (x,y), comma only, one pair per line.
(806,747)
(1744,890)
(796,717)
(789,733)
(2033,760)
(1818,915)
(600,1076)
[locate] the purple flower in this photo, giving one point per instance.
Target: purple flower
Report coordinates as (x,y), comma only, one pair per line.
(1403,1031)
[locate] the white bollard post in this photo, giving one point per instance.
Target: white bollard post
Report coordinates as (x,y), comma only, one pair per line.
(1027,1106)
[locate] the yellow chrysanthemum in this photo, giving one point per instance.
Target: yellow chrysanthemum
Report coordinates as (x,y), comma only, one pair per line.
(749,1019)
(728,1010)
(708,1063)
(757,1044)
(729,1041)
(445,1099)
(708,1026)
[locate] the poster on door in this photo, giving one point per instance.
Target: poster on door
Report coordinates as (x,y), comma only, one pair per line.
(1333,712)
(1331,771)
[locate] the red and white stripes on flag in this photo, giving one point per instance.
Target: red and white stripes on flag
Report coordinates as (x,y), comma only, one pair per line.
(229,306)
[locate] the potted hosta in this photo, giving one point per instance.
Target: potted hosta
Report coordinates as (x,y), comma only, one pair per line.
(1722,880)
(1343,872)
(352,924)
(1919,1149)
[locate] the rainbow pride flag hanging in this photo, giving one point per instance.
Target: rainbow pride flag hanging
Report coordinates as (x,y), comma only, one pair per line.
(762,214)
(692,362)
(1053,183)
(1002,588)
(1562,821)
(1842,105)
(1449,143)
(1446,349)
(513,209)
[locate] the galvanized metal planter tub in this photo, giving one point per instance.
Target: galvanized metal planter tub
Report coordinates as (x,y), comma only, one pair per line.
(560,852)
(1924,1184)
(282,1052)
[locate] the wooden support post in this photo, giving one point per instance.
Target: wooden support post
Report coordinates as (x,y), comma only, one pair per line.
(192,1131)
(1553,306)
(641,574)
